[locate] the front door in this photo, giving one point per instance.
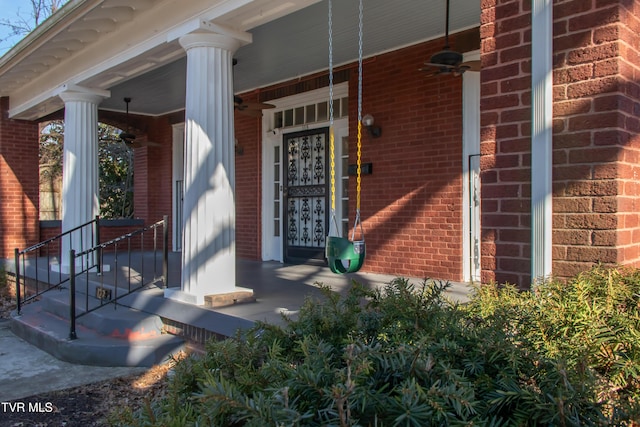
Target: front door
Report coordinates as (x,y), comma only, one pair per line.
(306,192)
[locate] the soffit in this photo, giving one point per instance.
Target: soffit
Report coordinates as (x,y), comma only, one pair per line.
(296,45)
(99,43)
(129,52)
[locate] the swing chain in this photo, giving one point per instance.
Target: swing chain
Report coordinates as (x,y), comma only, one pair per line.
(334,224)
(359,155)
(358,223)
(345,256)
(360,16)
(330,63)
(333,183)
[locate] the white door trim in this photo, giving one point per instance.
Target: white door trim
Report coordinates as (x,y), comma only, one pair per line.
(272,245)
(177,176)
(471,239)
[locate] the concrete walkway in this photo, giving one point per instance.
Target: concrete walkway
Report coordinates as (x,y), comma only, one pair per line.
(26,370)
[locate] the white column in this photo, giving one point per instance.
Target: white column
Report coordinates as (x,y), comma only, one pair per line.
(80,168)
(209,243)
(541,139)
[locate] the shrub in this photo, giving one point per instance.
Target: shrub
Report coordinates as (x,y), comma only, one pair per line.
(3,277)
(5,286)
(564,354)
(589,328)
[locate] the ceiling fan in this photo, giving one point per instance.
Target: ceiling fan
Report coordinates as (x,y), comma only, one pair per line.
(129,138)
(253,109)
(448,61)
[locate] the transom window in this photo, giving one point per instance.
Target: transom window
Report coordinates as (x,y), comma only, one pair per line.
(312,113)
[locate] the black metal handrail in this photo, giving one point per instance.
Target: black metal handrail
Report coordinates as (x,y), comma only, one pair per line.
(45,248)
(113,293)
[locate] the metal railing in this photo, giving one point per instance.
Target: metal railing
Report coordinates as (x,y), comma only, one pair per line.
(135,272)
(31,258)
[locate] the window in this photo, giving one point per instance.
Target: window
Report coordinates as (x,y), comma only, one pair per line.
(312,113)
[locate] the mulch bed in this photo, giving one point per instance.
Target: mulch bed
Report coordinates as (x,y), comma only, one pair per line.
(87,405)
(83,406)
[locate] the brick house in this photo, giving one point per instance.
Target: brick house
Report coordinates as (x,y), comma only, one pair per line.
(520,171)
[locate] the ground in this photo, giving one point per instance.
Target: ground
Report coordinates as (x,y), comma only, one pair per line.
(87,405)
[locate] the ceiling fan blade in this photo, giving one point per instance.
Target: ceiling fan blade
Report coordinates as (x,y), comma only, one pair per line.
(435,64)
(436,70)
(260,105)
(430,72)
(470,66)
(239,104)
(253,106)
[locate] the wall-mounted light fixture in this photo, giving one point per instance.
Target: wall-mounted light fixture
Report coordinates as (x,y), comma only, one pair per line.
(239,148)
(374,131)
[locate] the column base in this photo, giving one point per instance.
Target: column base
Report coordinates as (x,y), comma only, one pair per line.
(238,296)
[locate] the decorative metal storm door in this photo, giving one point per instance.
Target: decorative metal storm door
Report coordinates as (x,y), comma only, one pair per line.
(306,192)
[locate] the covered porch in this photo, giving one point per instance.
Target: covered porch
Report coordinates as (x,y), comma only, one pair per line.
(210,169)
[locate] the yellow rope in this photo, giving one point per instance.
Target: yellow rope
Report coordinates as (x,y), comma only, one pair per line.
(333,169)
(359,164)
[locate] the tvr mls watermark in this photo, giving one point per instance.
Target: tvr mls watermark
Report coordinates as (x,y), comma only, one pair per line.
(24,407)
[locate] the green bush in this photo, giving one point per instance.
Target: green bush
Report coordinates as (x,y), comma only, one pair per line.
(564,354)
(4,283)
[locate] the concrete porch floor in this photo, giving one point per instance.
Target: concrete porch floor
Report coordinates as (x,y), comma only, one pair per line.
(283,288)
(278,288)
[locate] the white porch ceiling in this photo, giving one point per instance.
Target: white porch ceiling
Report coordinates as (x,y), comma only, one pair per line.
(289,40)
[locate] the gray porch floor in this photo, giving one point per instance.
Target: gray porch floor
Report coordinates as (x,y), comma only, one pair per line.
(278,288)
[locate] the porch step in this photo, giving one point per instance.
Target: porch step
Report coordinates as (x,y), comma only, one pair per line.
(106,337)
(112,320)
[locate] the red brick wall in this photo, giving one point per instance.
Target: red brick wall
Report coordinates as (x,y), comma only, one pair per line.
(505,140)
(158,170)
(588,126)
(248,184)
(19,183)
(595,148)
(412,203)
(628,103)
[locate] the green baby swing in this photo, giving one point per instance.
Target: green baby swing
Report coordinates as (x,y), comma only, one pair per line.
(344,255)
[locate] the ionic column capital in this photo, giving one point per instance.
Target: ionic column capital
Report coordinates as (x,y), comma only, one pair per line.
(220,41)
(71,93)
